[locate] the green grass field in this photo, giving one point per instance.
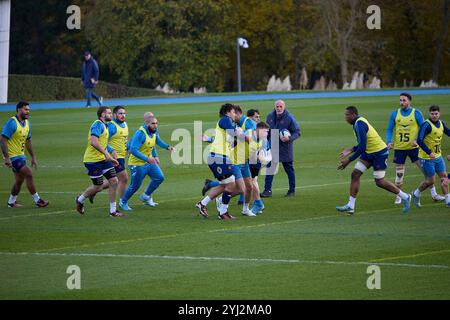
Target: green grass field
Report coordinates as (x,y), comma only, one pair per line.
(299,248)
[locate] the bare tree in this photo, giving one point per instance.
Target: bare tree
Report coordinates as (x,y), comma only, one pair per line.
(339,25)
(440,42)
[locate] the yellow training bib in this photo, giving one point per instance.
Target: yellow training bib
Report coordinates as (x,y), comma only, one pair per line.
(374,142)
(146,149)
(16,144)
(220,144)
(433,140)
(119,141)
(91,154)
(406,131)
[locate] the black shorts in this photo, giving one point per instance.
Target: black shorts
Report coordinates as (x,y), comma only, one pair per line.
(254,169)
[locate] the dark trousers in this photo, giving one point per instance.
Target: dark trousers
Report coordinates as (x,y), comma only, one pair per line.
(90,93)
(289,169)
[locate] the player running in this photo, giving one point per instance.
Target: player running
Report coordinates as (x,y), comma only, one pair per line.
(16,137)
(143,163)
(372,152)
(99,163)
(117,147)
(431,161)
(403,128)
(220,163)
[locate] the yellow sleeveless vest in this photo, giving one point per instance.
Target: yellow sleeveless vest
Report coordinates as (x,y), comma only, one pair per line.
(119,141)
(146,148)
(16,144)
(91,154)
(374,142)
(220,144)
(406,131)
(433,141)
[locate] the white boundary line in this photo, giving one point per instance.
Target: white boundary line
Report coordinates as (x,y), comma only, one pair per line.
(234,259)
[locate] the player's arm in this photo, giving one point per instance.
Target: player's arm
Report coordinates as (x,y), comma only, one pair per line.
(294,129)
(446,129)
(94,80)
(7,132)
(30,150)
(96,131)
(4,147)
(423,131)
(390,129)
(163,144)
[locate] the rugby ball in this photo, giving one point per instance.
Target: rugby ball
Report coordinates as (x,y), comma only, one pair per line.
(264,156)
(284,133)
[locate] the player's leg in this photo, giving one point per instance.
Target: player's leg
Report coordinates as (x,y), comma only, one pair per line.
(441,171)
(97,186)
(429,170)
(157,177)
(270,172)
(399,161)
(248,182)
(137,174)
(360,167)
(258,205)
(434,195)
(289,169)
(230,187)
(111,176)
(15,190)
(28,175)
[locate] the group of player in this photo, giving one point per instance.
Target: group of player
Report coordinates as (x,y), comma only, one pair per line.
(410,136)
(238,150)
(107,148)
(237,147)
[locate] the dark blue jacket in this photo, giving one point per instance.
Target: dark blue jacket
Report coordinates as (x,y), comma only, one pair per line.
(89,70)
(285,121)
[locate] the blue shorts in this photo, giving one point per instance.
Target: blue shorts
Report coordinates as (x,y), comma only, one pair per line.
(378,160)
(121,166)
(431,167)
(18,164)
(220,166)
(401,155)
(236,169)
(98,169)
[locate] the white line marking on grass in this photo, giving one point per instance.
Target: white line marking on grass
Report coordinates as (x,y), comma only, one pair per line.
(234,259)
(175,235)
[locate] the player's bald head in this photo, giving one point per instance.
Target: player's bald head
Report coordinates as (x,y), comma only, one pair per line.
(149,119)
(147,116)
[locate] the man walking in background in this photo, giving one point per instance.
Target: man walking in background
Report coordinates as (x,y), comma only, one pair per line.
(89,78)
(282,120)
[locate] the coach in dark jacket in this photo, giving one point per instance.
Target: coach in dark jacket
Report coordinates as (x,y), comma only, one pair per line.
(278,120)
(89,78)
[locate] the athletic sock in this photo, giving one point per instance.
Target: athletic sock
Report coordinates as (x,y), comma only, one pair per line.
(205,201)
(241,197)
(246,206)
(403,195)
(226,197)
(447,198)
(35,197)
(433,191)
(258,203)
(12,199)
(223,209)
(351,202)
(112,207)
(81,198)
(417,192)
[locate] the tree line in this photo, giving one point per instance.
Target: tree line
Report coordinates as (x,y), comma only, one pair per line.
(193,43)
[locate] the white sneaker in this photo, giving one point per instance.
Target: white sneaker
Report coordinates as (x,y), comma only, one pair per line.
(148,200)
(398,200)
(218,203)
(248,213)
(438,198)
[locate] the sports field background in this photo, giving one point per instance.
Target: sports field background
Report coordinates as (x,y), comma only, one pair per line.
(299,248)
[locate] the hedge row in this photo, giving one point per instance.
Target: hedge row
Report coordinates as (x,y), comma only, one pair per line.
(47,88)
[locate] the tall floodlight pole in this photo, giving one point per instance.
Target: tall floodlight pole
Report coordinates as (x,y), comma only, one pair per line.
(240,42)
(5,12)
